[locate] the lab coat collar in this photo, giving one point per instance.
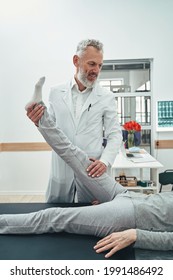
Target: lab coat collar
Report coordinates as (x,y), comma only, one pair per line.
(93,98)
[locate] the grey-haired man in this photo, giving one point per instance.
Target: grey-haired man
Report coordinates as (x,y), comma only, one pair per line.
(82,108)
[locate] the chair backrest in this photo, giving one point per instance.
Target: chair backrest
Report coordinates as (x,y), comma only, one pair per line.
(166,177)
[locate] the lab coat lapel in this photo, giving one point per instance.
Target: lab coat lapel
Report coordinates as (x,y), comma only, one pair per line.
(67,97)
(91,100)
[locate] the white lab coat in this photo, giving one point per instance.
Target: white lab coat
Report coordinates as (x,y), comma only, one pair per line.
(86,133)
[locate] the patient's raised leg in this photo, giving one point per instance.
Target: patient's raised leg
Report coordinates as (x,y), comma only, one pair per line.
(103,188)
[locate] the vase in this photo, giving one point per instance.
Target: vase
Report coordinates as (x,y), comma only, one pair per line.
(130,140)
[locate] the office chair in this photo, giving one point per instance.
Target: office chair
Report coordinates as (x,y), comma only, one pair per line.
(166,178)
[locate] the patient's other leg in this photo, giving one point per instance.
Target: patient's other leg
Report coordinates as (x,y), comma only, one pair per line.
(99,220)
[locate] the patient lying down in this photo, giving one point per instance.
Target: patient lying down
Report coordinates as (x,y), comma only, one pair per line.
(122,218)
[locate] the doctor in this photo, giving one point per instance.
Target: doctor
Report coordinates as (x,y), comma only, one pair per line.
(83,109)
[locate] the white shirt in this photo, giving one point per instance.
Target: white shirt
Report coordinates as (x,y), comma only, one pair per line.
(79,98)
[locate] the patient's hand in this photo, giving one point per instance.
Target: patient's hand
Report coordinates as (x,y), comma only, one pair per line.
(116,241)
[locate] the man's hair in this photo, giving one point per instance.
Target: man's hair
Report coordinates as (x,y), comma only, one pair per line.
(82,46)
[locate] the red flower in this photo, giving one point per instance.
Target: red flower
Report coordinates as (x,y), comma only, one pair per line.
(132,126)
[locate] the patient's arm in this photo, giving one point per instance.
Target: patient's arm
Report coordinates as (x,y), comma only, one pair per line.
(142,239)
(153,240)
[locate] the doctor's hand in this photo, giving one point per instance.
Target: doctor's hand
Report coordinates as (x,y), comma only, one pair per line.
(115,242)
(96,168)
(35,112)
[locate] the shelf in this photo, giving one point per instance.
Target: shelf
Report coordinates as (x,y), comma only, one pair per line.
(147,161)
(141,163)
(142,188)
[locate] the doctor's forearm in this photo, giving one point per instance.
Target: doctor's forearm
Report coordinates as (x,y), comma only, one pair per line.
(111,150)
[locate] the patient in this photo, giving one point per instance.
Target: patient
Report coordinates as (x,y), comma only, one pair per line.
(122,217)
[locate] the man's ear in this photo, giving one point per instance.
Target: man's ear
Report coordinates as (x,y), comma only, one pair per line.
(76,60)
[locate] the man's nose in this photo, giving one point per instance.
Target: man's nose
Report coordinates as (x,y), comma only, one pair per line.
(96,69)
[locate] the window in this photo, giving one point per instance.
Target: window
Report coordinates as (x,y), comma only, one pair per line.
(130,81)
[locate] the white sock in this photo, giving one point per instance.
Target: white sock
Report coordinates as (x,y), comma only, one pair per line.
(37,96)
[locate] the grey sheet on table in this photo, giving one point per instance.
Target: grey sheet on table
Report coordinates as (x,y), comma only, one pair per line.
(153,255)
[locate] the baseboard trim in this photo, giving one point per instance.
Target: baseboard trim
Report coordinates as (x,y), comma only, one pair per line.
(24,147)
(163,144)
(24,193)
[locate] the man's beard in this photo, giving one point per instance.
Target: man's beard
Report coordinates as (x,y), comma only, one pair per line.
(82,77)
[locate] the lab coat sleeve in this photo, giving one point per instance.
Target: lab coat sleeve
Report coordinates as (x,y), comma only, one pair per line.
(154,240)
(112,129)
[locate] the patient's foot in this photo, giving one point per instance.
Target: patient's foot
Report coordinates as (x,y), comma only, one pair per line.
(37,96)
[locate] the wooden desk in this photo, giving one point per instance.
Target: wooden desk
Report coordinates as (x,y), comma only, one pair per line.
(123,162)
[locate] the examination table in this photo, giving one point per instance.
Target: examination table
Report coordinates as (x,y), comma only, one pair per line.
(60,246)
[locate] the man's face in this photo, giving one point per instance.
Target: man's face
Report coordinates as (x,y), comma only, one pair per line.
(89,66)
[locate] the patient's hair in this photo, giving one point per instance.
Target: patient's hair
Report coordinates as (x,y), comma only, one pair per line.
(82,46)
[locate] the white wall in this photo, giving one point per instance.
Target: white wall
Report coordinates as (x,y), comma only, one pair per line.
(39,37)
